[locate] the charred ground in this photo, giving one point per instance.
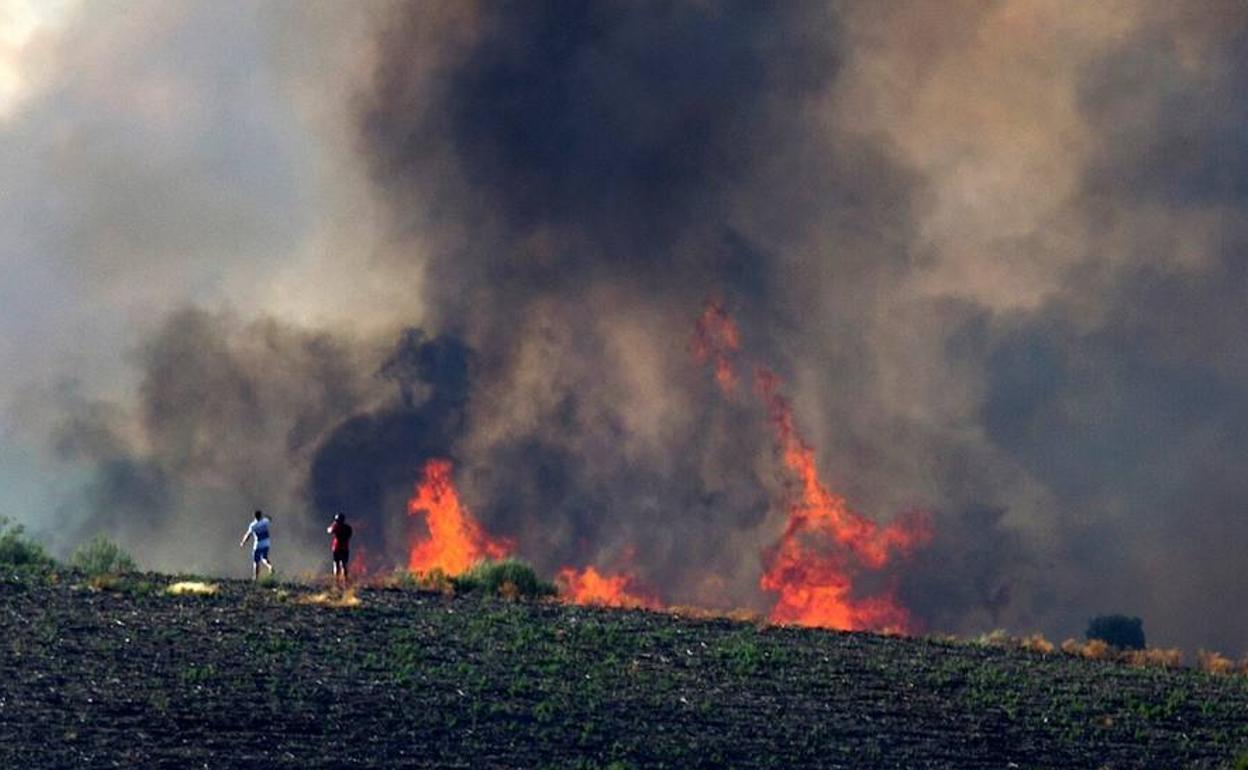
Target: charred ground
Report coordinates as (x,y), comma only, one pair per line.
(132,677)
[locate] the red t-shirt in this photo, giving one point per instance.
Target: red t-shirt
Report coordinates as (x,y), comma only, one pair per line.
(342,536)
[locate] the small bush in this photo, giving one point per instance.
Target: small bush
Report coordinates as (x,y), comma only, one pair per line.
(508,577)
(102,556)
(16,550)
(1117,631)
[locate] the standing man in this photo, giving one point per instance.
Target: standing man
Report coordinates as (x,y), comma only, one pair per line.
(258,529)
(340,546)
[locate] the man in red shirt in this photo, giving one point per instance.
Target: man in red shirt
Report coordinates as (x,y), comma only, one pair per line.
(340,545)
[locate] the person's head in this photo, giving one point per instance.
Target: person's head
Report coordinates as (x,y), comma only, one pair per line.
(259,515)
(338,517)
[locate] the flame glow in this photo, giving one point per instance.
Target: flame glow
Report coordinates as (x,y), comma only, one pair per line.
(455,541)
(715,339)
(589,586)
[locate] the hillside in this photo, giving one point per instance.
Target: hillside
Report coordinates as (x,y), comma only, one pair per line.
(131,677)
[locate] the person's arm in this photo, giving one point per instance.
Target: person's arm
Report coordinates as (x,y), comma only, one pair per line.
(246,535)
(330,529)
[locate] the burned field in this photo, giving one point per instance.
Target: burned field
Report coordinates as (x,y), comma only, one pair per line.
(133,677)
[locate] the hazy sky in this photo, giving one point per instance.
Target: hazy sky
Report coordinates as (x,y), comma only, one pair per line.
(996,251)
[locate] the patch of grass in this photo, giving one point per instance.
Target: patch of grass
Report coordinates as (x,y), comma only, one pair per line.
(192,588)
(510,578)
(18,551)
(125,584)
(434,580)
(101,557)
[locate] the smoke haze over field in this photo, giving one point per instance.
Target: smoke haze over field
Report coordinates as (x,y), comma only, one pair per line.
(279,255)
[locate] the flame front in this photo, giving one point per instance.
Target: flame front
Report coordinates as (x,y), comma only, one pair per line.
(455,541)
(589,586)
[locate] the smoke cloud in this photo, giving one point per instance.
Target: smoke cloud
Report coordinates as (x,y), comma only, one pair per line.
(993,249)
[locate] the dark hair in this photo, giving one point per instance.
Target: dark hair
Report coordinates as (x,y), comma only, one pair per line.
(339,517)
(259,515)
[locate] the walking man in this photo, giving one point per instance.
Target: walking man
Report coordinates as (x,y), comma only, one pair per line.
(259,530)
(340,546)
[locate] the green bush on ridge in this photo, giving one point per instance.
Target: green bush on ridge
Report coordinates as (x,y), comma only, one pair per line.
(508,577)
(16,550)
(101,556)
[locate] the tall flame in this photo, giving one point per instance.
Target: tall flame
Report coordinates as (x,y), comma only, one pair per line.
(455,541)
(826,544)
(589,586)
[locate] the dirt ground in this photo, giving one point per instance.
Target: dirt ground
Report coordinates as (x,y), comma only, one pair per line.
(131,677)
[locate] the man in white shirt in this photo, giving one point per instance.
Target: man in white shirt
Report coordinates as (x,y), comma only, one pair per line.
(259,530)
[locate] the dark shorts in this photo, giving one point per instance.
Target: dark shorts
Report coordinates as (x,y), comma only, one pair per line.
(260,553)
(342,556)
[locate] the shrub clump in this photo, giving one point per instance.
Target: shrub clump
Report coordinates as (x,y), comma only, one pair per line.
(101,557)
(16,550)
(1117,631)
(510,578)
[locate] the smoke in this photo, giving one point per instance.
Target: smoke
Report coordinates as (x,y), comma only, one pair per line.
(994,250)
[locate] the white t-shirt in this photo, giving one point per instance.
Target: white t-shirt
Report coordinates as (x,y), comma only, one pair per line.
(259,529)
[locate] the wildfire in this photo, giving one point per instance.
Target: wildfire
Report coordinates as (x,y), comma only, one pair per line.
(716,338)
(455,541)
(825,544)
(589,586)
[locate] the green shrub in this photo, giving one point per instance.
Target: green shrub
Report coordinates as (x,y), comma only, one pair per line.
(102,556)
(1117,631)
(18,551)
(509,577)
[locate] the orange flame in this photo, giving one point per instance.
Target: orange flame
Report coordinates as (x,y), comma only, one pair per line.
(825,543)
(456,541)
(715,339)
(589,586)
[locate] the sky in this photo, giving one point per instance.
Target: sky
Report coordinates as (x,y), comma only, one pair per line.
(278,254)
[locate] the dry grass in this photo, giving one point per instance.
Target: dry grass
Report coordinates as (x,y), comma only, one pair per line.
(1153,657)
(434,580)
(1038,644)
(1214,663)
(738,615)
(999,638)
(1092,649)
(192,588)
(332,598)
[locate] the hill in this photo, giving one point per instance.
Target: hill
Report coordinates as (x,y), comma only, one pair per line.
(133,677)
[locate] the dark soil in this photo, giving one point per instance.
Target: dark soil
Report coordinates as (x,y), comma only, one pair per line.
(130,677)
